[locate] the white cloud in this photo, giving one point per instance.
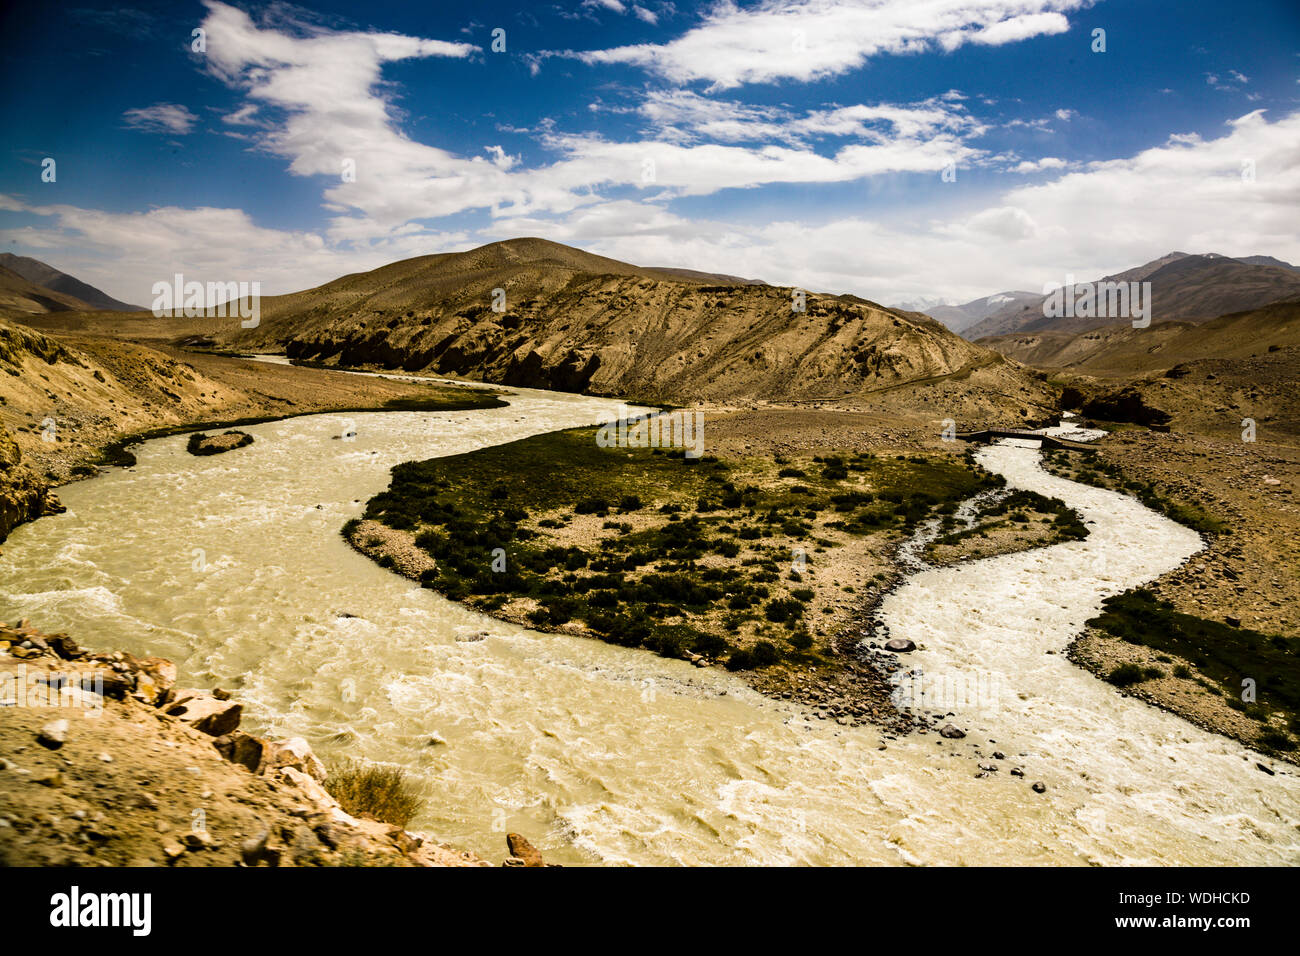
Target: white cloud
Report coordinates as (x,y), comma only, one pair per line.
(812,39)
(1038,165)
(169,118)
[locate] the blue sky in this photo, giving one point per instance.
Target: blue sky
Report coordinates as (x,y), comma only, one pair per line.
(904,150)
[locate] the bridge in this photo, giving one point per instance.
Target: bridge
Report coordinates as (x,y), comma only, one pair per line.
(1045,441)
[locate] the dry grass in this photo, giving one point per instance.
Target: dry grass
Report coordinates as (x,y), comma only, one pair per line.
(369,790)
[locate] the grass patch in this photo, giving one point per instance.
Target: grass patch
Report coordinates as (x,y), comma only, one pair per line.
(648,548)
(1223,654)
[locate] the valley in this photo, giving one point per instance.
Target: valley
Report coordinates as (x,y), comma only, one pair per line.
(827,515)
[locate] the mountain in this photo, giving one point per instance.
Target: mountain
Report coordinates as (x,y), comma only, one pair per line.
(43,274)
(959,317)
(575,321)
(1267,261)
(1192,288)
(1121,350)
(22,295)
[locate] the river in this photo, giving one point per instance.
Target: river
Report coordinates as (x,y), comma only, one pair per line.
(233,567)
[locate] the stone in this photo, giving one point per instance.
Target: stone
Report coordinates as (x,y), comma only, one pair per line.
(51,778)
(154,679)
(173,850)
(54,734)
(1267,770)
(521,849)
(295,753)
(206,713)
(1038,786)
(899,645)
(253,850)
(241,748)
(951,732)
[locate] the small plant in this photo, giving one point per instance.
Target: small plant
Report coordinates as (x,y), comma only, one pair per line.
(1126,674)
(370,790)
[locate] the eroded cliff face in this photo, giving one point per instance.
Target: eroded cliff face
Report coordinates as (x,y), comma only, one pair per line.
(23,495)
(536,314)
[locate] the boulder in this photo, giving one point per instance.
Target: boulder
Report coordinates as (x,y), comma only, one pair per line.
(294,752)
(951,732)
(206,713)
(154,679)
(241,748)
(521,849)
(53,735)
(899,645)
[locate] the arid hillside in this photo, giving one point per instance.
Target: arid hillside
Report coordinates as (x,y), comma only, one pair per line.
(569,320)
(20,295)
(45,275)
(1121,350)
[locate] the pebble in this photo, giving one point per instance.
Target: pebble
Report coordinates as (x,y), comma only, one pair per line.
(1038,786)
(52,778)
(54,734)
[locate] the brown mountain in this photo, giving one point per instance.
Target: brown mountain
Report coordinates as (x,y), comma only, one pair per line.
(1191,288)
(1121,350)
(580,322)
(43,274)
(18,294)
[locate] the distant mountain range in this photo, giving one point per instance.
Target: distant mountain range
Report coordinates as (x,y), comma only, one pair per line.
(70,292)
(1188,288)
(1123,351)
(961,317)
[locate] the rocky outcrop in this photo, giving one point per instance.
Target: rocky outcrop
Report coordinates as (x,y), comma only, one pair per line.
(106,762)
(23,495)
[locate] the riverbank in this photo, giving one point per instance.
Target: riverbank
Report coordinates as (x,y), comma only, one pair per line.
(1236,598)
(105,761)
(74,402)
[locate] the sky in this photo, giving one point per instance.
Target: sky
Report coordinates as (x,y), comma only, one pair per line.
(908,151)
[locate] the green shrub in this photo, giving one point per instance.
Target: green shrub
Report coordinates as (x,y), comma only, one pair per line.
(1126,674)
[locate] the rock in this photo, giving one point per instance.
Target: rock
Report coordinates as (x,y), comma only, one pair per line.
(199,840)
(989,767)
(1232,621)
(64,646)
(1017,772)
(899,645)
(53,735)
(295,753)
(206,713)
(951,732)
(999,755)
(173,850)
(253,850)
(154,679)
(241,748)
(521,849)
(1267,770)
(1038,786)
(51,778)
